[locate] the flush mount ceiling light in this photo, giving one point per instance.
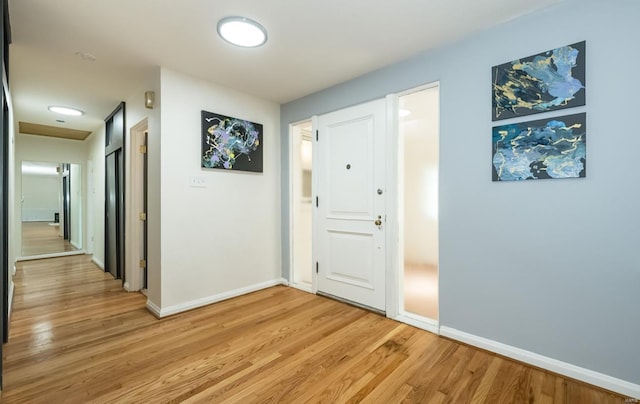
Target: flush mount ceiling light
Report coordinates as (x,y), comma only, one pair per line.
(241,31)
(65,110)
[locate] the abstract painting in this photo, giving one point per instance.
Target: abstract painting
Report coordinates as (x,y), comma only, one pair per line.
(231,143)
(544,82)
(546,148)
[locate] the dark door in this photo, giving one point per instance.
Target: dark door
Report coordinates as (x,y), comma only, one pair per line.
(4,225)
(114,193)
(66,203)
(5,40)
(111,225)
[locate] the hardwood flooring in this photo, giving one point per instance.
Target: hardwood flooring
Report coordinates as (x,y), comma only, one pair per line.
(77,337)
(39,238)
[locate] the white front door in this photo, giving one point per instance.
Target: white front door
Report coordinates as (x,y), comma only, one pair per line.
(351,204)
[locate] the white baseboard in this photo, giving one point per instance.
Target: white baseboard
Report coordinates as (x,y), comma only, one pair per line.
(566,369)
(155,310)
(419,322)
(73,243)
(52,255)
(96,261)
(194,304)
(10,308)
(302,286)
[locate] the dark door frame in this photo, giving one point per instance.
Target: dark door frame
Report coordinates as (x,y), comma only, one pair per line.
(5,40)
(66,202)
(115,127)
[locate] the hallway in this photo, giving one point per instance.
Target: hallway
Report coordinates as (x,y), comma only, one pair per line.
(40,238)
(77,337)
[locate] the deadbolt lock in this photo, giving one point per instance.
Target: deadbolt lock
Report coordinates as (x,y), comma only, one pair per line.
(378,221)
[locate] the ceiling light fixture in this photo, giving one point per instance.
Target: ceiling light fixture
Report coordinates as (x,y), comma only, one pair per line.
(242,31)
(65,110)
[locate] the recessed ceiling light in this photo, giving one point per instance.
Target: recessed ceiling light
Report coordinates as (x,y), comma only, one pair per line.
(65,110)
(242,31)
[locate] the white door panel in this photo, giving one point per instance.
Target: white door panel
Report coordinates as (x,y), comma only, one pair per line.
(350,178)
(351,170)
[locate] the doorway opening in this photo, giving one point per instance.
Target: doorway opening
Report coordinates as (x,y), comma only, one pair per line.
(51,209)
(418,168)
(301,206)
(137,209)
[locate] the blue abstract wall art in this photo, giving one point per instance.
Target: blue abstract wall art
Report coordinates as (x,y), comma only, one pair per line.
(545,148)
(544,82)
(230,143)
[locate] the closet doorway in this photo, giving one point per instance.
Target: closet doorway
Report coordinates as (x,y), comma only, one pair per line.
(418,147)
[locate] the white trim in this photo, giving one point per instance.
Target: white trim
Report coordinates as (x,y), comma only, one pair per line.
(302,287)
(73,243)
(10,308)
(52,255)
(392,237)
(194,304)
(315,234)
(423,323)
(566,369)
(291,276)
(155,310)
(99,263)
(419,88)
(134,205)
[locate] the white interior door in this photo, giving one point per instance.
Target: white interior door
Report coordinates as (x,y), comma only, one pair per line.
(351,204)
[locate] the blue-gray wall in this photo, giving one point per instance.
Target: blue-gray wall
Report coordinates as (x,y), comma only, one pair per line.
(549,266)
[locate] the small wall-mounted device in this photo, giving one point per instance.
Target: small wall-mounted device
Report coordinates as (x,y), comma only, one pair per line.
(149,99)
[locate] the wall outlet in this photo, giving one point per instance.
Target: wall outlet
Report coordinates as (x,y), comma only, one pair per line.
(197,182)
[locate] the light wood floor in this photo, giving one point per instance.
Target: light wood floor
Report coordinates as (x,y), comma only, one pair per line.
(40,238)
(77,337)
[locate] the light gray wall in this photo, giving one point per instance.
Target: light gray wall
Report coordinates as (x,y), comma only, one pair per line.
(549,266)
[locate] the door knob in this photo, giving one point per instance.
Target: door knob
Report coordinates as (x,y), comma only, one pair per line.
(378,221)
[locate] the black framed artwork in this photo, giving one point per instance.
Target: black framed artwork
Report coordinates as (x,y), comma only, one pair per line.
(230,143)
(548,81)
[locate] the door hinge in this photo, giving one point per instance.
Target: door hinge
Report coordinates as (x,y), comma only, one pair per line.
(317,266)
(143,149)
(316,135)
(143,216)
(143,263)
(316,201)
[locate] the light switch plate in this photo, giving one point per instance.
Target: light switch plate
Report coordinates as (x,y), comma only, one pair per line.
(197,182)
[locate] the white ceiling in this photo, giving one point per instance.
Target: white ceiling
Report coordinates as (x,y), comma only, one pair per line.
(312,45)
